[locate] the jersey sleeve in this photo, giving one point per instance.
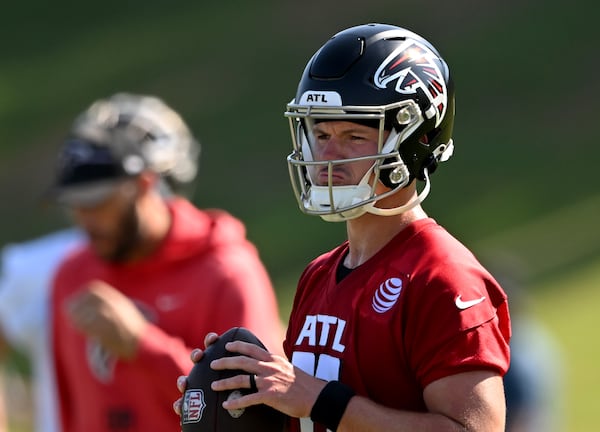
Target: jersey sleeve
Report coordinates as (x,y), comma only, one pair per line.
(459,321)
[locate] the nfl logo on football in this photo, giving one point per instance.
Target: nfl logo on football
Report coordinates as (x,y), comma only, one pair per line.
(193,406)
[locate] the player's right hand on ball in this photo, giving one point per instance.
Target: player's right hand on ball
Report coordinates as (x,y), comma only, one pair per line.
(195,355)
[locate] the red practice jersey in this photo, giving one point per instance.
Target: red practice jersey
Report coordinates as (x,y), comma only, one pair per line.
(204,277)
(421,309)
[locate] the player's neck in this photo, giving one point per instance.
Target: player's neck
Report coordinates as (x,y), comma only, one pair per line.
(155,225)
(369,233)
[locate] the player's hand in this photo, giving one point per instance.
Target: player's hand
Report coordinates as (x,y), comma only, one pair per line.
(108,316)
(279,384)
(195,355)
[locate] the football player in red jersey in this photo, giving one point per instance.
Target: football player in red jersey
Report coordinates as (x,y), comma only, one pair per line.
(400,328)
(154,275)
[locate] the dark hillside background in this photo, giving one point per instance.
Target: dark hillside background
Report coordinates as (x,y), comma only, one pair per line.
(523,182)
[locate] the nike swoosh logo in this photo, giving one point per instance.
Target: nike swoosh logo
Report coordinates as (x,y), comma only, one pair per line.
(462,305)
(167,303)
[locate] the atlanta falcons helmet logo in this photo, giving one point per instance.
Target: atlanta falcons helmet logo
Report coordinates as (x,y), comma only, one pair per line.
(413,65)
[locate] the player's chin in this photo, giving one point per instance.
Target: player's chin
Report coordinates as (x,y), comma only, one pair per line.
(103,246)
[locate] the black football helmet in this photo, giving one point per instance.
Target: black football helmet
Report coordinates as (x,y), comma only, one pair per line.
(386,77)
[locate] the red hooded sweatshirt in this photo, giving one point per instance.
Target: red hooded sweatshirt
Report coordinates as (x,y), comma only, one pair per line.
(206,276)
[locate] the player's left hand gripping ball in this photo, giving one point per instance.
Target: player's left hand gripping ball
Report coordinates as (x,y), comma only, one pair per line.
(202,409)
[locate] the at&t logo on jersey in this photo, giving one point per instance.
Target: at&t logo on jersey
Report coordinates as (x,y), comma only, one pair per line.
(387,295)
(193,406)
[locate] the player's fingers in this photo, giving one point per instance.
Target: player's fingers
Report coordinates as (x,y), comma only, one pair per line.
(82,316)
(210,339)
(240,362)
(177,406)
(196,355)
(77,305)
(252,383)
(233,383)
(248,349)
(181,383)
(243,401)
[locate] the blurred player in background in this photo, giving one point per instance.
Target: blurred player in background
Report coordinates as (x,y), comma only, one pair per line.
(155,275)
(25,279)
(534,382)
(400,328)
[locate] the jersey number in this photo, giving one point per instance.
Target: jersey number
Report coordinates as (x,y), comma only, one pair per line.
(324,367)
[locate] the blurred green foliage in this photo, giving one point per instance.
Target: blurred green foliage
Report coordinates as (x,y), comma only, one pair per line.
(522,148)
(522,183)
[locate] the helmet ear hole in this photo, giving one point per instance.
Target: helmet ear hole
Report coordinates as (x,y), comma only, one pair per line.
(430,164)
(396,176)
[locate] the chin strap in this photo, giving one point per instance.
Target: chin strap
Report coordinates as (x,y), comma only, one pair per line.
(359,211)
(409,205)
(322,197)
(442,153)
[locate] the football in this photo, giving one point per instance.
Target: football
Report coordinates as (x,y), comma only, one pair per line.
(202,408)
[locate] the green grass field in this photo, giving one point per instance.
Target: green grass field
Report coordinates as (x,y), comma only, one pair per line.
(568,305)
(558,253)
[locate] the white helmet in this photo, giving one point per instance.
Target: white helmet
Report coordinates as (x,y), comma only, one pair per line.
(146,122)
